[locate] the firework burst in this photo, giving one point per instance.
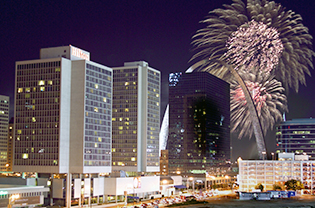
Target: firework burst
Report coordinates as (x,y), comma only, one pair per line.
(259,35)
(269,100)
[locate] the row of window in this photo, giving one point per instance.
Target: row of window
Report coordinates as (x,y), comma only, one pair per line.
(38,65)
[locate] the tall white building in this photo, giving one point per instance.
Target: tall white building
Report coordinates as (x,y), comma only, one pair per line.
(136,118)
(63,115)
(4,124)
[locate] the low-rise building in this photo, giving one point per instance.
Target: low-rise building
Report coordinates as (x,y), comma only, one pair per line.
(270,172)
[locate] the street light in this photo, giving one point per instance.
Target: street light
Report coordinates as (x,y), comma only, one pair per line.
(193,184)
(264,154)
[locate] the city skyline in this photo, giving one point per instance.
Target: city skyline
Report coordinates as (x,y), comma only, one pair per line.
(158,32)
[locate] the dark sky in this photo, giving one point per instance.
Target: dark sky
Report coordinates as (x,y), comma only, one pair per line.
(116,31)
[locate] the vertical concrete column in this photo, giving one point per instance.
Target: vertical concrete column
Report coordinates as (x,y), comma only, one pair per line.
(68,189)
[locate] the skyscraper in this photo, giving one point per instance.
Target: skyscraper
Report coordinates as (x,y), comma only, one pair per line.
(4,124)
(199,123)
(136,118)
(63,113)
(63,117)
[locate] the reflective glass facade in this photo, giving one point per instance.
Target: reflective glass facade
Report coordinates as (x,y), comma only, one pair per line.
(199,123)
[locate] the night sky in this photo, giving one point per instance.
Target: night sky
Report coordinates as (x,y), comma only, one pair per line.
(116,31)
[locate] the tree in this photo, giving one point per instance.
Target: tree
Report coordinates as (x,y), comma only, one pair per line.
(277,186)
(294,185)
(259,186)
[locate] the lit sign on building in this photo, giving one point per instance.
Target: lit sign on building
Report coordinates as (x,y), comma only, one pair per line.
(80,53)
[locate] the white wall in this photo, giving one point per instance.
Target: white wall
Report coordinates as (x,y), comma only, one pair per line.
(117,186)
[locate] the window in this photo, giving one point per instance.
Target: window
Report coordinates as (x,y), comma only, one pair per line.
(96,86)
(41,82)
(25,156)
(95,109)
(42,89)
(20,90)
(27,89)
(50,82)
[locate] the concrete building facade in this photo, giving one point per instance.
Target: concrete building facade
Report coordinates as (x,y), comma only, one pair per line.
(63,119)
(136,118)
(4,124)
(270,172)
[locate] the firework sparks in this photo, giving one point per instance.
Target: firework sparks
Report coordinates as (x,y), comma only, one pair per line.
(260,34)
(255,46)
(269,100)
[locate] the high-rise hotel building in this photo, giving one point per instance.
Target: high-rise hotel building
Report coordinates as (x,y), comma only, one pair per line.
(4,124)
(136,118)
(63,114)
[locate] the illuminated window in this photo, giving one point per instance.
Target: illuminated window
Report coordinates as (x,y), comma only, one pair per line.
(126,83)
(133,159)
(157,95)
(127,123)
(20,90)
(55,162)
(104,99)
(91,90)
(120,128)
(120,119)
(34,119)
(1,112)
(96,86)
(41,82)
(126,110)
(42,89)
(135,132)
(120,132)
(120,163)
(34,89)
(95,109)
(113,150)
(27,89)
(25,156)
(134,150)
(157,103)
(27,95)
(50,82)
(32,150)
(114,163)
(18,138)
(113,119)
(95,144)
(99,139)
(108,78)
(57,69)
(56,100)
(19,131)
